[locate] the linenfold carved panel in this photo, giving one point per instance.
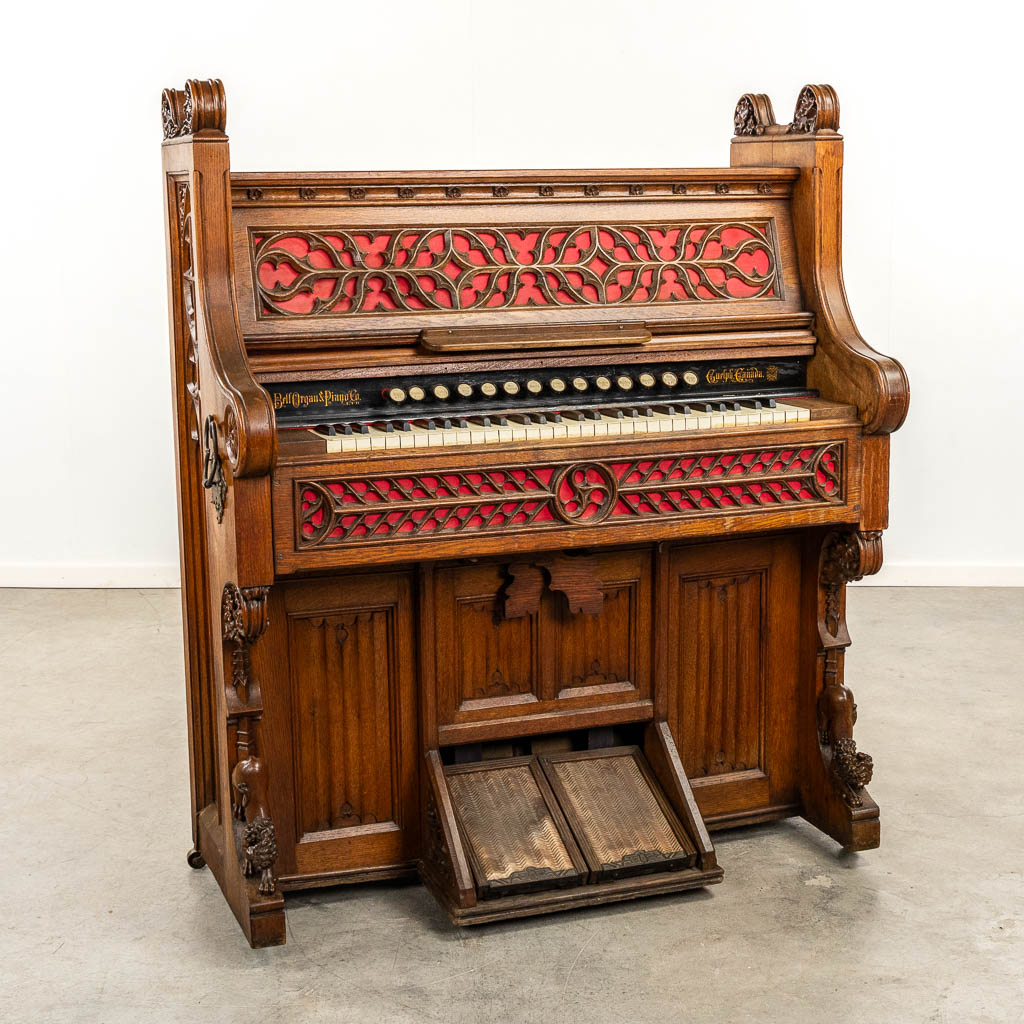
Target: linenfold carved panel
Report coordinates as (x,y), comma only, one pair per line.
(335,272)
(447,503)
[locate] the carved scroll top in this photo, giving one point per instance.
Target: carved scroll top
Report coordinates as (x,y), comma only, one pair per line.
(753,114)
(817,110)
(200,106)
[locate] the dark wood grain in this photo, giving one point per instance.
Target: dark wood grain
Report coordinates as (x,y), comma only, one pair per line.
(346,683)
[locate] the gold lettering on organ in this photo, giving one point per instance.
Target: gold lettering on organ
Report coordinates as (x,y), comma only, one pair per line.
(741,374)
(325,397)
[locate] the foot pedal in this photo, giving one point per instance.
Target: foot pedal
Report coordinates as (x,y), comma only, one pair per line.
(516,836)
(619,816)
(528,835)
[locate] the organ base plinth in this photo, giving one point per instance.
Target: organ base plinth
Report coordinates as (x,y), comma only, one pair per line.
(517,836)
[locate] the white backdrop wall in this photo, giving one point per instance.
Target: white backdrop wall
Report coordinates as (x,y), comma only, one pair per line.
(933,192)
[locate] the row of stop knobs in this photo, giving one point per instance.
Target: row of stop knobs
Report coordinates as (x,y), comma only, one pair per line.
(535,387)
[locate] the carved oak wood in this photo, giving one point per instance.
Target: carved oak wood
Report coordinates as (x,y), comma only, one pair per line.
(372,638)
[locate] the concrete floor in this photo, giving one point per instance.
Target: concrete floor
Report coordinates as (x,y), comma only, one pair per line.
(103,921)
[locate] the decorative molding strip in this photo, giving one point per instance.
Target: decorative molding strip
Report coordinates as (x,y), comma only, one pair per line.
(275,193)
(187,260)
(367,510)
(338,271)
(166,575)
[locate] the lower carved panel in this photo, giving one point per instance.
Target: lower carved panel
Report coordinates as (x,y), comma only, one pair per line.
(721,627)
(391,509)
(733,671)
(552,651)
(354,716)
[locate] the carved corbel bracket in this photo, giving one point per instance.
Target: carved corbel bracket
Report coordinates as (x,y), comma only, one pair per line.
(200,106)
(817,110)
(574,576)
(846,556)
(753,114)
(244,615)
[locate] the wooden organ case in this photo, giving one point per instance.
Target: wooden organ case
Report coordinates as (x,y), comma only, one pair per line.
(516,512)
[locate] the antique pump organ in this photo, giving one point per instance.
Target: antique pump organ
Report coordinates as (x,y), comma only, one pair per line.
(517,511)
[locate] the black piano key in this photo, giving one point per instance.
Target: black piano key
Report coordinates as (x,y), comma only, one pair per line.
(462,423)
(404,425)
(502,421)
(361,428)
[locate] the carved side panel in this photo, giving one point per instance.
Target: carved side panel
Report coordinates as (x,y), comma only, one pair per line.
(345,677)
(354,727)
(721,672)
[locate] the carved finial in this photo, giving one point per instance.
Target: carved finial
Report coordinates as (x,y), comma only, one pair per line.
(753,114)
(200,106)
(817,109)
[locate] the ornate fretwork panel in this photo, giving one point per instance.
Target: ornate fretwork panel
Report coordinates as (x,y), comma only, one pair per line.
(450,503)
(335,272)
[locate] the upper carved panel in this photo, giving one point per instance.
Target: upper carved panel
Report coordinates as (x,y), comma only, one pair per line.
(338,272)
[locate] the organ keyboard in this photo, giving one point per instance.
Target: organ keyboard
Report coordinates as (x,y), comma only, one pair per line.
(518,497)
(550,425)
